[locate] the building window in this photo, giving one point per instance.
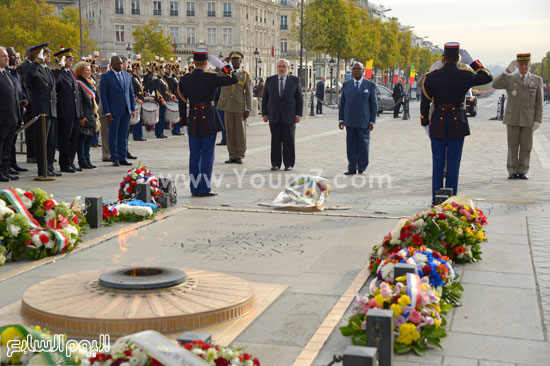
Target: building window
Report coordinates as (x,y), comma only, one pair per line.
(135,7)
(283,2)
(211,9)
(284,22)
(175,34)
(174,8)
(190,35)
(119,33)
(212,36)
(157,8)
(227,36)
(190,9)
(119,7)
(284,46)
(226,9)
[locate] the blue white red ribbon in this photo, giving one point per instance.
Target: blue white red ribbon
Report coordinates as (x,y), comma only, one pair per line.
(414,289)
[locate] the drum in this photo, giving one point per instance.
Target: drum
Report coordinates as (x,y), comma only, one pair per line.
(150,112)
(137,115)
(172,114)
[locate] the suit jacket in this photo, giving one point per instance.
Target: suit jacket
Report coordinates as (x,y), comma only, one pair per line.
(398,92)
(237,98)
(69,103)
(116,100)
(23,70)
(358,109)
(286,107)
(10,114)
(525,100)
(320,90)
(87,108)
(41,82)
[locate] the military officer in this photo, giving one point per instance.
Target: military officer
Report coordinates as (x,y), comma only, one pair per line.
(135,74)
(41,82)
(236,103)
(445,88)
(523,113)
(69,110)
(162,95)
(171,79)
(22,70)
(197,89)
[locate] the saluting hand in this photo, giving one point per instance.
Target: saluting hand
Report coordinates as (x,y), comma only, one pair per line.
(512,67)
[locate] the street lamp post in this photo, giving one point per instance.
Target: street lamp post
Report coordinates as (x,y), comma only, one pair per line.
(331,65)
(80,25)
(129,49)
(256,58)
(260,67)
(300,73)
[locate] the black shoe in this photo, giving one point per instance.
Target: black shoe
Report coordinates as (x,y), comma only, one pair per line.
(75,168)
(361,172)
(288,168)
(91,166)
(176,133)
(19,169)
(275,168)
(513,176)
(350,172)
(84,166)
(209,194)
(162,137)
(68,170)
(140,139)
(239,161)
(231,161)
(130,156)
(106,160)
(221,144)
(523,176)
(116,163)
(3,178)
(51,173)
(94,145)
(13,171)
(12,177)
(125,163)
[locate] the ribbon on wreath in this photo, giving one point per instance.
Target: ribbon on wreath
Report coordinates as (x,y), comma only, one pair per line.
(15,200)
(414,289)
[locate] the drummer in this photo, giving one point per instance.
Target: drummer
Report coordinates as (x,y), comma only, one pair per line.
(135,73)
(162,95)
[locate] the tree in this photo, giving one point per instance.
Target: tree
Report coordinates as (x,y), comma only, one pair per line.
(151,41)
(28,22)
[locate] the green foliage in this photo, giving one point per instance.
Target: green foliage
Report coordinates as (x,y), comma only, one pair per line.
(28,22)
(150,41)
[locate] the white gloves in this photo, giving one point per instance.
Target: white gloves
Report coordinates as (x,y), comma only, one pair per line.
(536,125)
(512,67)
(41,55)
(62,61)
(185,130)
(427,130)
(215,61)
(436,65)
(465,57)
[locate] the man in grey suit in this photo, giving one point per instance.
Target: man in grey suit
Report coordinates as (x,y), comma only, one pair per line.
(523,113)
(357,113)
(282,106)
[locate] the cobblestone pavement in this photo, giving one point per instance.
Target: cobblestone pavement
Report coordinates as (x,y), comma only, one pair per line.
(539,232)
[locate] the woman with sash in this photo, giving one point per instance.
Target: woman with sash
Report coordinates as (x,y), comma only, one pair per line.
(89,124)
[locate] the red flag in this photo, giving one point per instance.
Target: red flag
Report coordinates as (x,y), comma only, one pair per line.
(272,51)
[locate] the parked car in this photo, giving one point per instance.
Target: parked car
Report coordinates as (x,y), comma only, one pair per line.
(471,103)
(385,99)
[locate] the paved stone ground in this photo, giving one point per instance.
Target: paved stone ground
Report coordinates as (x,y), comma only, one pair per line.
(502,321)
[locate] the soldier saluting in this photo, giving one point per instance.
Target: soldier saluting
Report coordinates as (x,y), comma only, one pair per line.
(523,112)
(448,125)
(198,90)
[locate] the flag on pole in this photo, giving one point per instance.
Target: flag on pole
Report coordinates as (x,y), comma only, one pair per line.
(395,76)
(412,75)
(368,69)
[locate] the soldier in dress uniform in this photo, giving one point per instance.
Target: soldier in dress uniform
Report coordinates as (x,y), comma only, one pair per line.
(197,89)
(69,111)
(172,81)
(445,88)
(135,74)
(162,95)
(22,70)
(236,102)
(41,82)
(523,113)
(148,78)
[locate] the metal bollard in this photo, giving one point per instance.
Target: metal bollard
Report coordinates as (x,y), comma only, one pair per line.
(187,337)
(311,110)
(380,334)
(360,356)
(143,192)
(402,269)
(94,211)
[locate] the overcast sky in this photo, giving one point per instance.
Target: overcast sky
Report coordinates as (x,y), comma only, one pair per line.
(493,31)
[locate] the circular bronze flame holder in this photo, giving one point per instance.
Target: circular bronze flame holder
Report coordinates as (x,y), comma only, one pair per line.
(79,306)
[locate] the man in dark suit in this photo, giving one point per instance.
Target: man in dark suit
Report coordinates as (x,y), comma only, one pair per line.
(282,105)
(398,94)
(10,115)
(69,111)
(445,88)
(41,81)
(22,70)
(357,113)
(198,90)
(118,100)
(320,94)
(16,78)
